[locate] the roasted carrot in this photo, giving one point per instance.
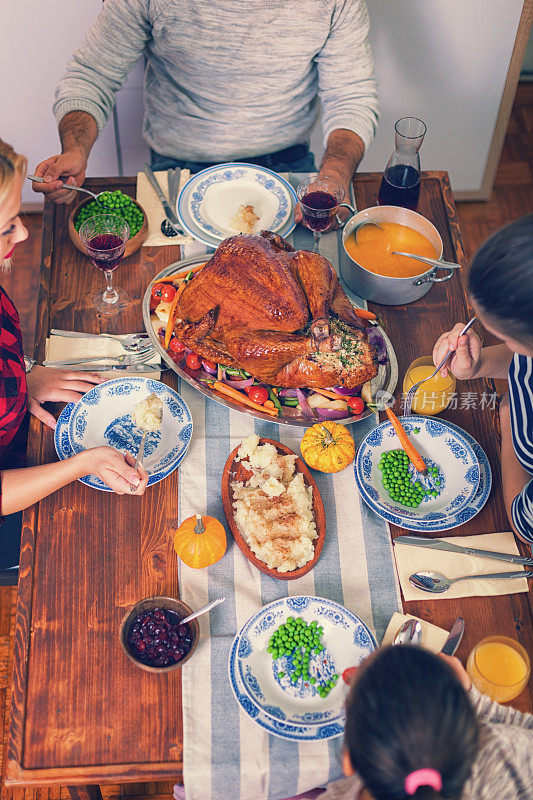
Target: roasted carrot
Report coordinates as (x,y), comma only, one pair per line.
(172,315)
(363,313)
(177,275)
(331,395)
(413,454)
(241,398)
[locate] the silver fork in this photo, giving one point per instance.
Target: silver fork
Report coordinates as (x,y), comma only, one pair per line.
(126,360)
(412,391)
(132,343)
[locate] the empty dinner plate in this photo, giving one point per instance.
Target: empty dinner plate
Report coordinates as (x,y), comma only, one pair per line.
(210,199)
(104,416)
(463,467)
(296,710)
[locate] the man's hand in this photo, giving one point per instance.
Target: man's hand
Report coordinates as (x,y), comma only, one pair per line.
(46,384)
(78,132)
(59,172)
(344,151)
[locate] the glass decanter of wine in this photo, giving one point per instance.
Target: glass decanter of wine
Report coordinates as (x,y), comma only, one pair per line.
(400,185)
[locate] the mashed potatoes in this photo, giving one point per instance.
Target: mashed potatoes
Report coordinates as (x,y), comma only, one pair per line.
(148,413)
(273,509)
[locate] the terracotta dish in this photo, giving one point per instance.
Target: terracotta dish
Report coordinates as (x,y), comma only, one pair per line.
(235,471)
(132,245)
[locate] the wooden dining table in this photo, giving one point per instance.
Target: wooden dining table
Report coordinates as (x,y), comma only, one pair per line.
(82,714)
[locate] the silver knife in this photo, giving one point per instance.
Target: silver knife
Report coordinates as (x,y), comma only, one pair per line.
(169,212)
(454,637)
(159,367)
(438,544)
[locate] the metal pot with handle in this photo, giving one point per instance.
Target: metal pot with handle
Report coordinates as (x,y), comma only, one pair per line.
(391,291)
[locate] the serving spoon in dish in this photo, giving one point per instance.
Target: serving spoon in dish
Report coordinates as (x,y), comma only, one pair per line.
(38,179)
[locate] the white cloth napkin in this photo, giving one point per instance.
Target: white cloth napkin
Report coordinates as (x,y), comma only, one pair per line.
(62,347)
(433,637)
(153,209)
(411,559)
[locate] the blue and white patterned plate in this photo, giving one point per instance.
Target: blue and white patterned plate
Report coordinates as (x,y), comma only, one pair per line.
(439,446)
(266,682)
(199,231)
(218,192)
(104,417)
(457,517)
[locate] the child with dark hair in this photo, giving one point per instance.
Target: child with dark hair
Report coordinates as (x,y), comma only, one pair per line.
(500,283)
(417,728)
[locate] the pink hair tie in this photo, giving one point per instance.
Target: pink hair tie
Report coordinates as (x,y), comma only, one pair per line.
(422,777)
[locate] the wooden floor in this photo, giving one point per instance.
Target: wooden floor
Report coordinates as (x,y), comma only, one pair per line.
(512,197)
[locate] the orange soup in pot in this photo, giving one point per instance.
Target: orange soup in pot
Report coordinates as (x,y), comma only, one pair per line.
(374,249)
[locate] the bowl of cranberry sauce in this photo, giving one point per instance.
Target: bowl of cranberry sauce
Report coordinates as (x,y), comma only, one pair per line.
(152,636)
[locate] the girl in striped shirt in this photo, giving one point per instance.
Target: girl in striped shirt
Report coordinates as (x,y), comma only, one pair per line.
(500,282)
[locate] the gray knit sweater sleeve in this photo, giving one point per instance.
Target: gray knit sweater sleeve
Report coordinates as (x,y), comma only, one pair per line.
(346,54)
(97,71)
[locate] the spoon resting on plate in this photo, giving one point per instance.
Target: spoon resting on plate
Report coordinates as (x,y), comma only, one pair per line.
(437,583)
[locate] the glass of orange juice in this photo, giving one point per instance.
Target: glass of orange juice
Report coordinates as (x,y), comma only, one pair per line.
(499,667)
(434,395)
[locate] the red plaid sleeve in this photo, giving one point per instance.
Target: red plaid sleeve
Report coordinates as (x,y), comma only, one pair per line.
(13,390)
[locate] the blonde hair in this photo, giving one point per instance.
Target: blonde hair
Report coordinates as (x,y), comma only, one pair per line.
(11,164)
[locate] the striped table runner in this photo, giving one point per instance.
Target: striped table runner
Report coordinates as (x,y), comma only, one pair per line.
(226,755)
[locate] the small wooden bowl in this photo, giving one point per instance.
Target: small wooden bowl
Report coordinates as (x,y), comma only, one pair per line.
(230,474)
(132,245)
(168,604)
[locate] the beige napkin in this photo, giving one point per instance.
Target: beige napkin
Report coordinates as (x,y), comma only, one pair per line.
(61,347)
(411,559)
(151,204)
(433,637)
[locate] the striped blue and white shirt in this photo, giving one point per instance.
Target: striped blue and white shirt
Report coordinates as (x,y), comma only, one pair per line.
(521,395)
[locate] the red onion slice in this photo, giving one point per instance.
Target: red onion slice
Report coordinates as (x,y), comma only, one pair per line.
(304,405)
(239,384)
(210,370)
(288,392)
(342,390)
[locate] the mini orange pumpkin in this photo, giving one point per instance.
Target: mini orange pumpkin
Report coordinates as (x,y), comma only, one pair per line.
(327,447)
(200,541)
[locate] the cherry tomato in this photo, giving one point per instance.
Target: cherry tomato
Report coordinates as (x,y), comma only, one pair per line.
(210,364)
(258,394)
(348,674)
(163,291)
(193,361)
(176,347)
(356,405)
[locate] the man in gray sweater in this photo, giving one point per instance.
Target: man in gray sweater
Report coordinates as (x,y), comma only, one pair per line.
(225,80)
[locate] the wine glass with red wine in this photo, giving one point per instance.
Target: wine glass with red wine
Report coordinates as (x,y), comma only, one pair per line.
(319,201)
(104,238)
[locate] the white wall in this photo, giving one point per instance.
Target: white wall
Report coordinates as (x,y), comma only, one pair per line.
(444,61)
(38,37)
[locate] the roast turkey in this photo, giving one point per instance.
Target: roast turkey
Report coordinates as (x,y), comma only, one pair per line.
(278,313)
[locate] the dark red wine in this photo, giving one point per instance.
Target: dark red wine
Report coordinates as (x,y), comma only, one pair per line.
(318,209)
(400,186)
(106,251)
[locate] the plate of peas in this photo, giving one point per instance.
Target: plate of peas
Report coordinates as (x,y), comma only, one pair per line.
(112,203)
(392,488)
(288,660)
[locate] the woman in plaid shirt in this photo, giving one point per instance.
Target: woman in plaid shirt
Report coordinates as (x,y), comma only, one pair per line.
(20,393)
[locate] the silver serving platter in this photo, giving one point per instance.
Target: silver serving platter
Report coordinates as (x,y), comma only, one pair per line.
(386,379)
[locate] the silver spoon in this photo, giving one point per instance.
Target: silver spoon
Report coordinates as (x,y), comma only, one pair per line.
(438,584)
(409,397)
(203,610)
(409,633)
(362,225)
(434,262)
(37,179)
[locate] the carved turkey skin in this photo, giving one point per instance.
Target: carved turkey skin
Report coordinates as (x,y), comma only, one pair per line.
(278,313)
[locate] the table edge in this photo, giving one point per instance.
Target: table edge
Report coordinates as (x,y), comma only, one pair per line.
(105,774)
